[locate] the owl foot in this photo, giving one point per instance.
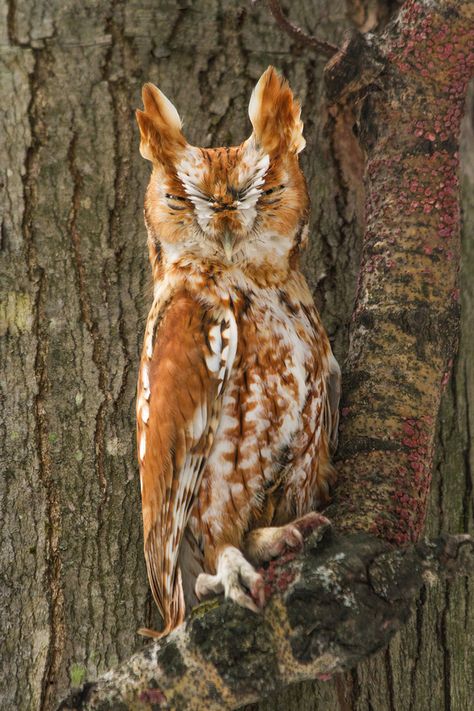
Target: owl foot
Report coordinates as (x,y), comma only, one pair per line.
(236,578)
(307,524)
(263,544)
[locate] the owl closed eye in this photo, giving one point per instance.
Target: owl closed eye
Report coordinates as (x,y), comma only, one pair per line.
(229,205)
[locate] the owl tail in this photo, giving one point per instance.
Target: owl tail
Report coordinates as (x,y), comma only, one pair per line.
(167,593)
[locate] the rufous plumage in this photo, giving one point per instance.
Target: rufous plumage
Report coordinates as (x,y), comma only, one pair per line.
(238,389)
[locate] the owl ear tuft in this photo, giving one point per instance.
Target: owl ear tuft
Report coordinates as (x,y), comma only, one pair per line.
(275,115)
(161,138)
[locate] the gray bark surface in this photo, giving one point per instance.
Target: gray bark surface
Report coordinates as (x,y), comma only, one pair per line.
(76,282)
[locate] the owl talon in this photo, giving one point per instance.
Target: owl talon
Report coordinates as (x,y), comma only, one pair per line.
(237,595)
(207,584)
(234,576)
(263,544)
(258,592)
(306,524)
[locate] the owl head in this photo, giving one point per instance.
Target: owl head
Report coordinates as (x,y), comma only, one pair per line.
(238,206)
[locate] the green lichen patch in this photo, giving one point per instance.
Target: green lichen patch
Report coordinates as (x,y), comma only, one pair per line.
(77,674)
(16,313)
(204,607)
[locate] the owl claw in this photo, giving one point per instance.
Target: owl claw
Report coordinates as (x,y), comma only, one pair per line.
(235,576)
(258,592)
(263,544)
(308,523)
(207,584)
(237,595)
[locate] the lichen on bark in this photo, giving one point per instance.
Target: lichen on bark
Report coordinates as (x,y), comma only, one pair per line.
(404,326)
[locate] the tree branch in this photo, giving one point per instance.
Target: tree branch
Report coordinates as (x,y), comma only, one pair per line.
(407,90)
(334,605)
(326,49)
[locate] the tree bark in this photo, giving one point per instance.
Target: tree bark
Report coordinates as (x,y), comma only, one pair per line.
(73,265)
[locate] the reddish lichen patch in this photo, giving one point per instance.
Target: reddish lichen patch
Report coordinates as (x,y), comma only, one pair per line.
(404,520)
(277,575)
(324,677)
(447,374)
(432,47)
(403,327)
(416,175)
(427,187)
(153,696)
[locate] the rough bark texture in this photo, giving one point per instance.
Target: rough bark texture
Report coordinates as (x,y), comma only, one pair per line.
(74,268)
(411,89)
(329,608)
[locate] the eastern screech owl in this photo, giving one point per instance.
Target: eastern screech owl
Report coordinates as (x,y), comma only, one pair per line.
(238,389)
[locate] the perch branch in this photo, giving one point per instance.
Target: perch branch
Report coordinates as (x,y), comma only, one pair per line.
(329,608)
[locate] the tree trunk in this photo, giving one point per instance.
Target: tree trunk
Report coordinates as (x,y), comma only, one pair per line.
(77,290)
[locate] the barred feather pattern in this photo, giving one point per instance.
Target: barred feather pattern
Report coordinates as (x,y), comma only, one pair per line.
(181,462)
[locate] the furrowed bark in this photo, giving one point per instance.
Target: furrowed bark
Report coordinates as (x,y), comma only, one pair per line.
(76,289)
(73,264)
(335,605)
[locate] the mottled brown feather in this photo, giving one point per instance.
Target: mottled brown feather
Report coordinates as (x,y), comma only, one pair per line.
(270,406)
(179,384)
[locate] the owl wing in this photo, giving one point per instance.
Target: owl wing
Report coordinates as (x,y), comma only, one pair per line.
(180,392)
(333,394)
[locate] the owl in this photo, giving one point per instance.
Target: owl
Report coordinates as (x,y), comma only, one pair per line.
(238,389)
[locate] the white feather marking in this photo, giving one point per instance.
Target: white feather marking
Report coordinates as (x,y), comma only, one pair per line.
(168,110)
(142,445)
(254,181)
(215,339)
(251,178)
(149,345)
(236,489)
(232,345)
(145,412)
(256,101)
(213,362)
(146,382)
(199,423)
(191,174)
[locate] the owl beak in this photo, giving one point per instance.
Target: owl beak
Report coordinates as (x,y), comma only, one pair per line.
(228,242)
